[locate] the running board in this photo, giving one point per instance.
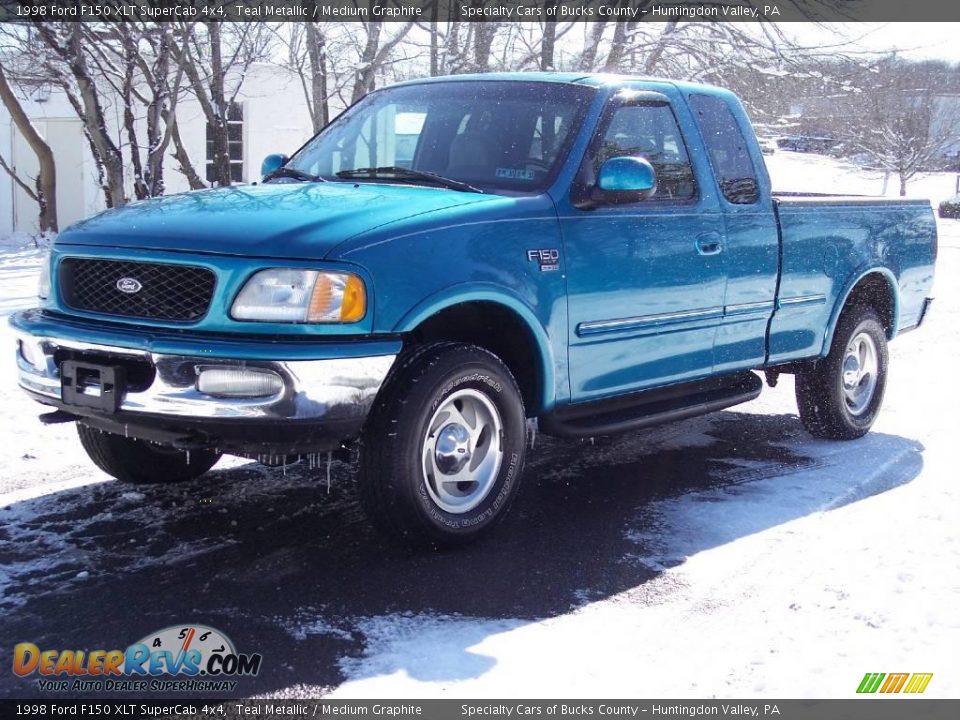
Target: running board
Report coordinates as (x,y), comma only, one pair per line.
(651,407)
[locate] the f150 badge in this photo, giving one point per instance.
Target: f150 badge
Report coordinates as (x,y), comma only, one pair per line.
(549,258)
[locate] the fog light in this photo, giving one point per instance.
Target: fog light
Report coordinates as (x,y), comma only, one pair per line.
(238,382)
(32,354)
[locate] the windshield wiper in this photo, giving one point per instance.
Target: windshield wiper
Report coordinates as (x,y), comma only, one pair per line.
(408,174)
(293,173)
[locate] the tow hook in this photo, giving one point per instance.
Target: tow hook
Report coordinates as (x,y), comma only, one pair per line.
(56,417)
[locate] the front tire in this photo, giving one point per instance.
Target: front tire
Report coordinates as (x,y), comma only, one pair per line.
(442,452)
(141,462)
(840,397)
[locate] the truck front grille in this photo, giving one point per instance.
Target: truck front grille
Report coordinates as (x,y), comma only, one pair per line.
(153,291)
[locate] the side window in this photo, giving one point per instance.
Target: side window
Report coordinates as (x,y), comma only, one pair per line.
(727,149)
(650,132)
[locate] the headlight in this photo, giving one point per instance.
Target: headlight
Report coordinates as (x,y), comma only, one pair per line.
(43,288)
(290,295)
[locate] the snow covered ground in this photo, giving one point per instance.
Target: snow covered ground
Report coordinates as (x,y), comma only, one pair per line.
(802,172)
(725,556)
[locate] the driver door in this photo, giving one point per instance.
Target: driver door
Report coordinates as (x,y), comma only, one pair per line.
(646,280)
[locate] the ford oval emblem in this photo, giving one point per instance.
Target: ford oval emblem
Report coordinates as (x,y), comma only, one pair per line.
(129,285)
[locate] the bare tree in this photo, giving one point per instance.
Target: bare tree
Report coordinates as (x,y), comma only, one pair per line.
(374,54)
(883,113)
(138,62)
(161,72)
(620,45)
(182,157)
(434,31)
(216,57)
(306,55)
(907,127)
(591,45)
(483,36)
(469,47)
(45,190)
(317,52)
(68,65)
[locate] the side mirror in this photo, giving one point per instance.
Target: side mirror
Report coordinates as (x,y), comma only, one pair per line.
(272,163)
(626,180)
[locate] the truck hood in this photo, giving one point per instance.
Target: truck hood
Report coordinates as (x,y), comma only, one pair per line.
(278,220)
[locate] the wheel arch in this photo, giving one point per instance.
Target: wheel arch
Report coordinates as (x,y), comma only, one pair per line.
(466,314)
(874,287)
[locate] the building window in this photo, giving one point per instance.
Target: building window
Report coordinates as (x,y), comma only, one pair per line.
(235,142)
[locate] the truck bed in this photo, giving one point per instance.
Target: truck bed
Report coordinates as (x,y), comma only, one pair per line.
(827,243)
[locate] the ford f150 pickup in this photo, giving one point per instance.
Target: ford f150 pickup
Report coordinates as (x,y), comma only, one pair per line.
(451,258)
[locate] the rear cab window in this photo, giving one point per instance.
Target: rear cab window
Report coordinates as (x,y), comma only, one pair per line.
(727,149)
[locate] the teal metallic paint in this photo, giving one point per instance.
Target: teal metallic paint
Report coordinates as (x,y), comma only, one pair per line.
(640,260)
(677,312)
(167,342)
(471,253)
(751,263)
(829,245)
(849,285)
(279,220)
(552,368)
(272,163)
(626,174)
(232,272)
(751,255)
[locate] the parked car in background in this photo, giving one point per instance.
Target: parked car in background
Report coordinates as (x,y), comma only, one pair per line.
(768,146)
(842,150)
(807,144)
(950,208)
(452,257)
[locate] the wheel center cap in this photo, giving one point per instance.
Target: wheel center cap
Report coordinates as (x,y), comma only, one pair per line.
(452,448)
(851,371)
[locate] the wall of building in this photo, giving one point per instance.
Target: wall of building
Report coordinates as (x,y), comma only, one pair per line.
(275,119)
(54,119)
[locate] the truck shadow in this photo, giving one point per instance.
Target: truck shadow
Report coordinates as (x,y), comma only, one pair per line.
(289,568)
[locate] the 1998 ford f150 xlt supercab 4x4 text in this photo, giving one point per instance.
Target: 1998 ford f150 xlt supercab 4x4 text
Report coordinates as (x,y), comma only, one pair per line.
(453,256)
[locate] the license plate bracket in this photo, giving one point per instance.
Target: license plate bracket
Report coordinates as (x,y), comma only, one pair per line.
(100,387)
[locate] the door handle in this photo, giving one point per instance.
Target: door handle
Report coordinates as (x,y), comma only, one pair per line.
(709,244)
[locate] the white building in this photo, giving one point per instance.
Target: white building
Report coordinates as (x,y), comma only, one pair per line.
(274,116)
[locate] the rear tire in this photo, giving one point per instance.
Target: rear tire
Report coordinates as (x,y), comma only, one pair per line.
(141,462)
(442,452)
(840,396)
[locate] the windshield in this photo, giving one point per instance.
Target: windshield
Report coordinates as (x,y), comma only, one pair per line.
(492,135)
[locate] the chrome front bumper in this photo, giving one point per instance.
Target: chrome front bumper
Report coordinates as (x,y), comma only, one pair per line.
(339,390)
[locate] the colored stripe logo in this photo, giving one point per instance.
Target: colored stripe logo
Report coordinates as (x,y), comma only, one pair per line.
(894,683)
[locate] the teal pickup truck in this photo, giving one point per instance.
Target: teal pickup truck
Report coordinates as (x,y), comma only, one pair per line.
(454,257)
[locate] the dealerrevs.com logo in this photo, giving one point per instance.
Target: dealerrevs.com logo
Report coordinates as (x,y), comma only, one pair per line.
(184,658)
